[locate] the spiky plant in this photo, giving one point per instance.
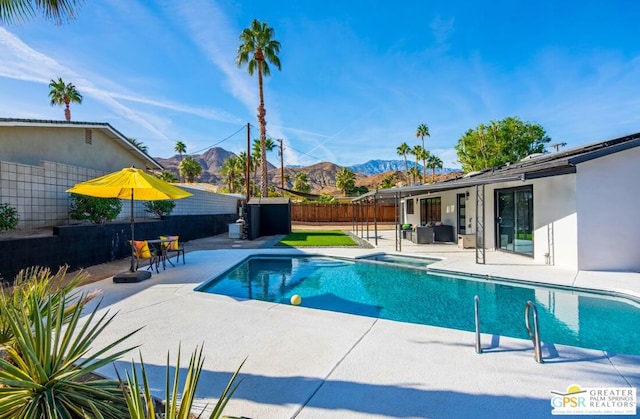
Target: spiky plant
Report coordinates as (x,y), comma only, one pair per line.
(41,374)
(142,405)
(47,289)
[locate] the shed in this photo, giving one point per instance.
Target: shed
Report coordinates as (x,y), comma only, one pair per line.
(269,216)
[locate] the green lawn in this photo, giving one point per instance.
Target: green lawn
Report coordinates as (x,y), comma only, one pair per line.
(326,238)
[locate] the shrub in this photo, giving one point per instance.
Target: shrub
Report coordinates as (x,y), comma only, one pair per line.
(96,210)
(8,217)
(160,208)
(41,373)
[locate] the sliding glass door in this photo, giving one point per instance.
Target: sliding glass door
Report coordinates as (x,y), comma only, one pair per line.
(514,220)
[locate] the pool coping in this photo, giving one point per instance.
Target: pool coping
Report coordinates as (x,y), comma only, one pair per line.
(311,363)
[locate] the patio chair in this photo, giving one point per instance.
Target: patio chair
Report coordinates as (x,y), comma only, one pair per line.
(173,244)
(142,252)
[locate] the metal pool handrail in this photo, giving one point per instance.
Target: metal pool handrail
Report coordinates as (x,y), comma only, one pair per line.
(535,333)
(476,303)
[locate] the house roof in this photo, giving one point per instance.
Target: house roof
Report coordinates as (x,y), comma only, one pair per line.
(532,167)
(105,127)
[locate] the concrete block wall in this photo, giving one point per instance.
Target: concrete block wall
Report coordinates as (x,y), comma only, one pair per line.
(38,194)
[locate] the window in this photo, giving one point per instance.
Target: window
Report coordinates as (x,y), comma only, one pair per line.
(409,204)
(430,210)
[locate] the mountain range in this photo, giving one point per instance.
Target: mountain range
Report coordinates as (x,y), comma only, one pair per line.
(322,176)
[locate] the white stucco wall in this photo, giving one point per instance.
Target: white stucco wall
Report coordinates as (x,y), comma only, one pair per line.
(554,213)
(607,202)
(554,221)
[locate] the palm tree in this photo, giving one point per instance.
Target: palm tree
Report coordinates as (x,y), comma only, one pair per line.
(139,144)
(190,169)
(256,152)
(232,172)
(301,183)
(256,50)
(345,180)
(180,148)
(167,176)
(415,174)
(423,131)
(402,150)
(419,152)
(64,94)
(433,162)
(17,11)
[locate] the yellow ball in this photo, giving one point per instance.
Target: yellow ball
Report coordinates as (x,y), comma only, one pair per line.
(296,300)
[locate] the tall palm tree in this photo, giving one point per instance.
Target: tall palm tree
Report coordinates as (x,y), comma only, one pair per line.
(258,48)
(433,162)
(63,94)
(256,153)
(180,148)
(18,11)
(422,131)
(402,150)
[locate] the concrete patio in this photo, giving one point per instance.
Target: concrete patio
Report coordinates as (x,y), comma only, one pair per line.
(308,363)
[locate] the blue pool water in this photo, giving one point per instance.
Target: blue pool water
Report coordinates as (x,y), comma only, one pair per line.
(412,295)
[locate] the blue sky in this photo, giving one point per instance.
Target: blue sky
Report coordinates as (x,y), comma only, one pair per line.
(357,77)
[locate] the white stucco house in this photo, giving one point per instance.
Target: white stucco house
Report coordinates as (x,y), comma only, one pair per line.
(574,208)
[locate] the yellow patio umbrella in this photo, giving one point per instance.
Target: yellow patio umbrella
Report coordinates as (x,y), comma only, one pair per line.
(133,184)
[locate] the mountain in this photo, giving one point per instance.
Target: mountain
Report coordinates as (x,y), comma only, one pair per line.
(322,176)
(375,167)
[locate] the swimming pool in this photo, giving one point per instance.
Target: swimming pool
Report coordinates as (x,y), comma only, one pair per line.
(407,294)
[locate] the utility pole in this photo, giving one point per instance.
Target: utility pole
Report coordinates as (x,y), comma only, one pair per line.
(281,153)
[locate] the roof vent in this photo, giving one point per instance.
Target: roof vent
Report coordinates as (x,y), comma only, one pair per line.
(532,156)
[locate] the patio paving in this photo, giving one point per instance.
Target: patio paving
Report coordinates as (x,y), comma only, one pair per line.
(308,363)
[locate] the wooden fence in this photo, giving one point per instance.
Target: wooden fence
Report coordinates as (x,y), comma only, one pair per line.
(342,213)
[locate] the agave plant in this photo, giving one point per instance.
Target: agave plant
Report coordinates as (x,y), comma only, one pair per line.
(142,405)
(42,373)
(46,289)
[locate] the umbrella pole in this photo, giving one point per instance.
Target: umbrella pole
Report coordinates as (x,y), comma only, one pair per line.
(132,244)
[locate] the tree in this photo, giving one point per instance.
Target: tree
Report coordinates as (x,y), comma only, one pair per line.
(256,152)
(180,148)
(387,182)
(422,131)
(301,183)
(17,11)
(160,208)
(258,48)
(420,154)
(63,94)
(139,145)
(190,169)
(232,170)
(415,174)
(434,161)
(402,150)
(167,176)
(345,180)
(500,142)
